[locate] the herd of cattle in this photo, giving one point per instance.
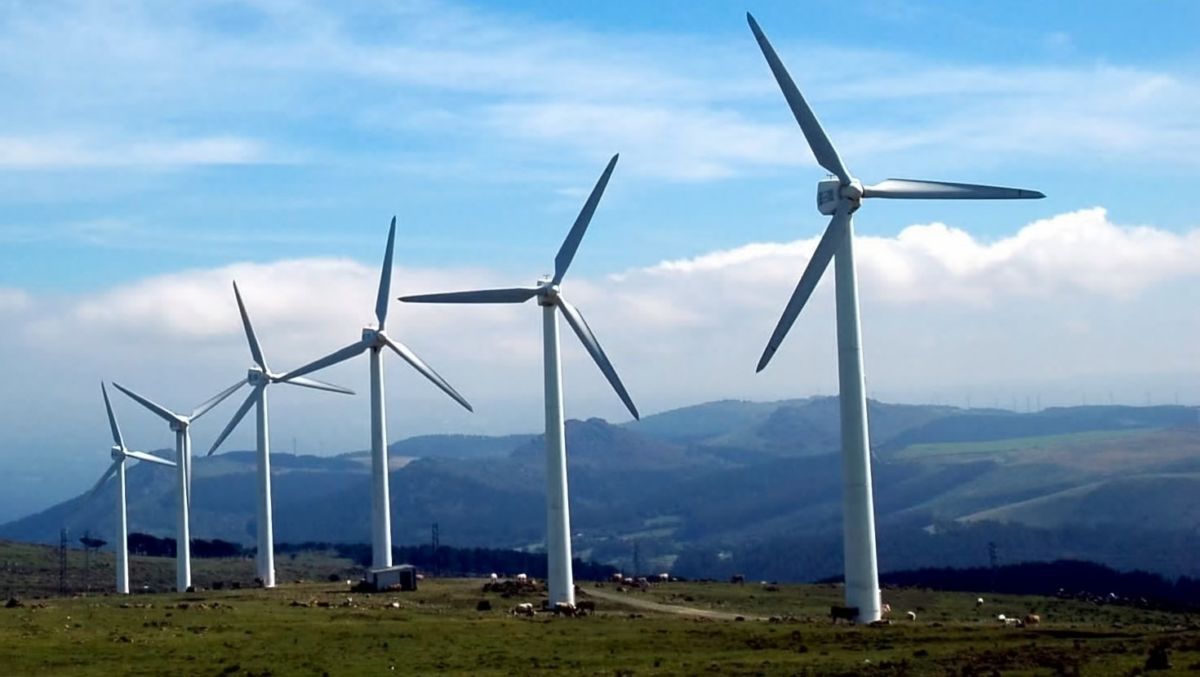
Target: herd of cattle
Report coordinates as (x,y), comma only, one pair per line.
(523,584)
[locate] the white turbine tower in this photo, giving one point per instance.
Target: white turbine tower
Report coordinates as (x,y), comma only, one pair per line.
(259,377)
(119,455)
(840,197)
(374,339)
(558,516)
(180,425)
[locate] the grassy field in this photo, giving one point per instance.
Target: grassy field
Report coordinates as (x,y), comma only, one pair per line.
(324,628)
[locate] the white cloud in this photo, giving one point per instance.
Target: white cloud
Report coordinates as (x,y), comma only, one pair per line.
(685,330)
(1075,252)
(59,152)
(13,301)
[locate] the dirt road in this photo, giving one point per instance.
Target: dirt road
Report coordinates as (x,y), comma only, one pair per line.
(636,601)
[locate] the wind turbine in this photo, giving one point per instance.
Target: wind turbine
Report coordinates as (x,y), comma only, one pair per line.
(119,454)
(840,196)
(259,377)
(180,424)
(558,517)
(375,340)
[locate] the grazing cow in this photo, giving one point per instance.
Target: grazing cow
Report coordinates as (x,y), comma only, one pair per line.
(617,577)
(663,578)
(521,578)
(737,578)
(978,602)
(494,578)
(912,615)
(524,609)
(586,605)
(1032,619)
(843,613)
(563,609)
(1010,622)
(885,610)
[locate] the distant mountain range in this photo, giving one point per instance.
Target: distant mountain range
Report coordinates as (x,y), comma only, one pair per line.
(752,487)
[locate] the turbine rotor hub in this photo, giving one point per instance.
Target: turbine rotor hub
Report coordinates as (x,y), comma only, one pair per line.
(117,453)
(548,295)
(256,376)
(853,191)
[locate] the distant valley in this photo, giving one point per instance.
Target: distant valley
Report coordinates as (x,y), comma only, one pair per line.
(747,487)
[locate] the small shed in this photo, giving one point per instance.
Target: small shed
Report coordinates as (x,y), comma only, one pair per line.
(402,577)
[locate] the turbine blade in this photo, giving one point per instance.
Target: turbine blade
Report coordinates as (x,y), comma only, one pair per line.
(330,359)
(318,385)
(419,364)
(237,418)
(821,257)
(112,419)
(512,295)
(160,410)
(566,252)
(910,189)
(255,349)
(112,470)
(584,332)
(821,146)
(385,278)
(215,400)
(149,458)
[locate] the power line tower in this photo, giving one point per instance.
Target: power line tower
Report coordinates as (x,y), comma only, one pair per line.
(992,562)
(435,543)
(63,561)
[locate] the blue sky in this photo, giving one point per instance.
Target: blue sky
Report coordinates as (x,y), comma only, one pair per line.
(237,141)
(151,152)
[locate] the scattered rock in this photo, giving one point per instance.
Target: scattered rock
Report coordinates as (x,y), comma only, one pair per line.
(483,605)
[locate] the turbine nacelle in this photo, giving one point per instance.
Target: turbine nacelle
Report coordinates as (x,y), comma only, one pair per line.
(831,193)
(117,453)
(373,338)
(256,376)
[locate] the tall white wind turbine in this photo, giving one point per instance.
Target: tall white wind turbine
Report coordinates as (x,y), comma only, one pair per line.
(180,425)
(374,340)
(558,517)
(120,453)
(259,377)
(839,197)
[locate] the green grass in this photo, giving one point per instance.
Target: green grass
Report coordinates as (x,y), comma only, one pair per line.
(437,629)
(322,628)
(1013,444)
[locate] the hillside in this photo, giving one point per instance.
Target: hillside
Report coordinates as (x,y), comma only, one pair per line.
(732,484)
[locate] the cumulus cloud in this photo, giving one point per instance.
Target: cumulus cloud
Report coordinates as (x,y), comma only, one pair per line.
(1080,251)
(689,329)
